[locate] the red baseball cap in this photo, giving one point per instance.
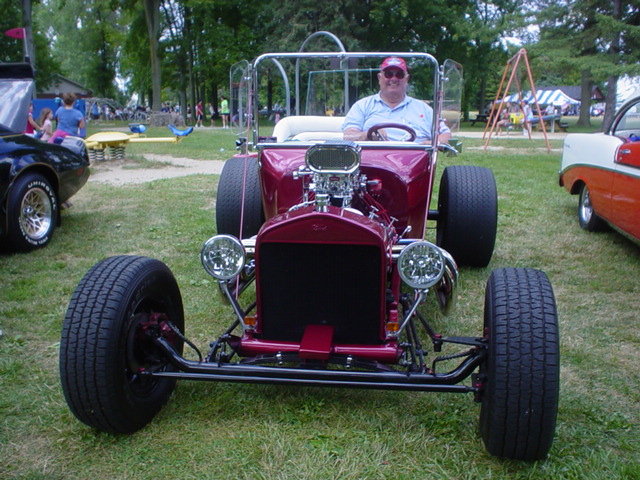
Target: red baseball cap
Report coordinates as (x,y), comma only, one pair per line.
(394,62)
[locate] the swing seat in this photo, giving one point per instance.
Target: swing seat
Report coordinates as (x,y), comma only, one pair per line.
(308,127)
(179,133)
(137,128)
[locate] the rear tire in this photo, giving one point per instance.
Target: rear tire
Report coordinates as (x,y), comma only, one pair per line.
(468,214)
(587,217)
(238,174)
(521,376)
(107,341)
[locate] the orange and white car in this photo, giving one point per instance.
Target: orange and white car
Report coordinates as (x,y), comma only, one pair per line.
(604,170)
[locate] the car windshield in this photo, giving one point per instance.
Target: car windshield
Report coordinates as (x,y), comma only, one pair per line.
(275,85)
(629,123)
(16,91)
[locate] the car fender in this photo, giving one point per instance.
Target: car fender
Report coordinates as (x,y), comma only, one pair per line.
(589,159)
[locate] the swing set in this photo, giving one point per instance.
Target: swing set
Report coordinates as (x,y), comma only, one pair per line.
(498,106)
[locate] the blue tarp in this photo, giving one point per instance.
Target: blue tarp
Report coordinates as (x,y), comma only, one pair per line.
(53,104)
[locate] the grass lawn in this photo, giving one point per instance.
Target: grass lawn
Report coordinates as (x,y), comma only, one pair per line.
(229,431)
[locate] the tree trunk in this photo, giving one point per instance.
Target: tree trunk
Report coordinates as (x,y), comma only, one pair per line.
(585,99)
(612,81)
(610,99)
(482,101)
(152,15)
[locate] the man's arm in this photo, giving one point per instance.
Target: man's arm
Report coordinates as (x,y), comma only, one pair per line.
(444,137)
(444,133)
(354,134)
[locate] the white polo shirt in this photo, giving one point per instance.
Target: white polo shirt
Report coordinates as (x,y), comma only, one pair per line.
(414,113)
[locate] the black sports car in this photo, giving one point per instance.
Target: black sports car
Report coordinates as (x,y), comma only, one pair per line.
(36,177)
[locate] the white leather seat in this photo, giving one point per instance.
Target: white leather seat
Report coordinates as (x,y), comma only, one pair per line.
(308,127)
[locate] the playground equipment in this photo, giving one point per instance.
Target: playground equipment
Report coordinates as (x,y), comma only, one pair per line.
(116,142)
(499,103)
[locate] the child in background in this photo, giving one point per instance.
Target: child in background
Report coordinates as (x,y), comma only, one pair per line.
(46,115)
(32,126)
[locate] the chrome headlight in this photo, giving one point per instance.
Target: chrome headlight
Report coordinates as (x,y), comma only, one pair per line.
(421,265)
(223,257)
(336,157)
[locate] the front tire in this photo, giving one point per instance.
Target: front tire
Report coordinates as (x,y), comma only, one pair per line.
(107,341)
(239,182)
(521,376)
(32,213)
(468,214)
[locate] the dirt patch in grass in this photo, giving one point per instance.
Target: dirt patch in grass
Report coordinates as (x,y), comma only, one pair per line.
(151,167)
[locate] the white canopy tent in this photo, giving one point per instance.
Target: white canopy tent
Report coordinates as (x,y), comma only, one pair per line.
(545,97)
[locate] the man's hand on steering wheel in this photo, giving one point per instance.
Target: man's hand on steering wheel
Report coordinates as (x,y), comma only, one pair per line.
(377,132)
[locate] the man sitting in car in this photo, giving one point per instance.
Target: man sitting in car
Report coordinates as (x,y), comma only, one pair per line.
(392,105)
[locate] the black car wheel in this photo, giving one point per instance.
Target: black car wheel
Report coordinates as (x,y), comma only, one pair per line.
(120,305)
(468,214)
(521,376)
(587,216)
(32,212)
(239,197)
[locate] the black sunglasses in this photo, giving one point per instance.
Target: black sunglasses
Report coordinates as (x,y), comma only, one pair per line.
(391,73)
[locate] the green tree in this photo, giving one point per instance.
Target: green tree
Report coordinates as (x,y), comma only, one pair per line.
(17,15)
(595,40)
(135,61)
(84,39)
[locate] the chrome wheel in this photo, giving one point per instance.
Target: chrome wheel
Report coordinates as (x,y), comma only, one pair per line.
(586,208)
(36,213)
(587,216)
(32,213)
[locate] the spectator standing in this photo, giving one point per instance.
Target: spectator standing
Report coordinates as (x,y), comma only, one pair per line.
(70,120)
(224,111)
(199,114)
(95,112)
(211,114)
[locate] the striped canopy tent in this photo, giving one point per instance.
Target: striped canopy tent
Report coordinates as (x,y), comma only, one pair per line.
(545,97)
(555,97)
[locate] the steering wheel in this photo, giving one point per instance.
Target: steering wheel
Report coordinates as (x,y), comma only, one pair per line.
(372,133)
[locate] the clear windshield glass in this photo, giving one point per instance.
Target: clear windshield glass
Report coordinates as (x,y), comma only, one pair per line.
(328,84)
(629,123)
(16,95)
(452,95)
(239,96)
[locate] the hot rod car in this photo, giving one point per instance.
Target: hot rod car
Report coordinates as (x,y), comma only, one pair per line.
(327,241)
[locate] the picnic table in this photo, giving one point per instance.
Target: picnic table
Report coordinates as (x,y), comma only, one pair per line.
(552,121)
(481,117)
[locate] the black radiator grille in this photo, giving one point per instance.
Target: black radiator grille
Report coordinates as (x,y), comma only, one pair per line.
(321,284)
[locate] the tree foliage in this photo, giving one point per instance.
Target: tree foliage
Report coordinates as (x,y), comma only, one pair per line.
(181,50)
(595,41)
(84,39)
(12,50)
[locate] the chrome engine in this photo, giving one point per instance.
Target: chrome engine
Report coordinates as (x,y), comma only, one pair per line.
(331,175)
